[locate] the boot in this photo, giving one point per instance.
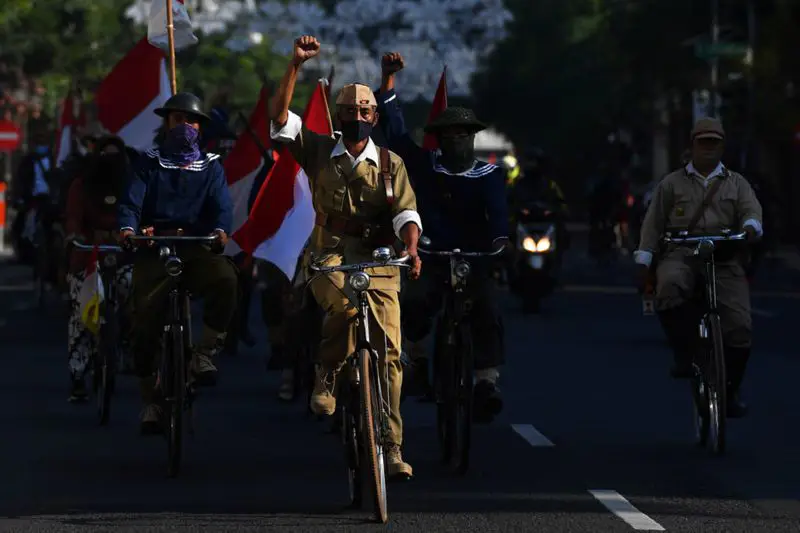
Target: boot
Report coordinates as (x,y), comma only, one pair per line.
(152,414)
(203,369)
(680,326)
(736,363)
(487,399)
(396,468)
(323,402)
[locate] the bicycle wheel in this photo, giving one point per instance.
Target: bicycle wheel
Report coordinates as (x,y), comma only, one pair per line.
(176,368)
(462,408)
(443,379)
(700,407)
(716,376)
(372,434)
(351,448)
(107,367)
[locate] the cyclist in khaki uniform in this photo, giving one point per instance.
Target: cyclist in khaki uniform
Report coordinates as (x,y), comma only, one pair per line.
(704,197)
(363,199)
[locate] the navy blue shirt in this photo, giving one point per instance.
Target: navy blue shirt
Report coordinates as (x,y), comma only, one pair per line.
(479,211)
(163,195)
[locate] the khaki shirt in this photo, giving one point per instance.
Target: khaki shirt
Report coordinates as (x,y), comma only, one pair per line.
(679,195)
(351,188)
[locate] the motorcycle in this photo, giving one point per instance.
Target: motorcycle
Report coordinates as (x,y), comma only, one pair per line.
(537,262)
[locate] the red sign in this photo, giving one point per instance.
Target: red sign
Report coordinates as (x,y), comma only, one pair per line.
(10,136)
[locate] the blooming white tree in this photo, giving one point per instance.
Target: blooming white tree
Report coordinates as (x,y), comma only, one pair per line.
(429,33)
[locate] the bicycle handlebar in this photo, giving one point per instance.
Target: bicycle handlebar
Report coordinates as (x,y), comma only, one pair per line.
(100,247)
(175,238)
(397,262)
(459,253)
(695,239)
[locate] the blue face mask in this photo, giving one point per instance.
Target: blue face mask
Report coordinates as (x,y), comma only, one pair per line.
(181,145)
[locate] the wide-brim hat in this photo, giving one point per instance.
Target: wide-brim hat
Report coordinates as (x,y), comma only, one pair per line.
(456,117)
(184,103)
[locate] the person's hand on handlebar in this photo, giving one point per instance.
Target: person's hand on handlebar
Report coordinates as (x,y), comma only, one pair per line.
(222,239)
(124,239)
(415,262)
(751,233)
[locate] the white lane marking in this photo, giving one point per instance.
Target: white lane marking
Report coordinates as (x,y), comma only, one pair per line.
(531,435)
(614,502)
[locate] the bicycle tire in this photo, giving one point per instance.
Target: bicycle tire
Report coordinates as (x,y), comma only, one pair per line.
(371,434)
(462,415)
(442,375)
(107,352)
(717,386)
(352,452)
(177,375)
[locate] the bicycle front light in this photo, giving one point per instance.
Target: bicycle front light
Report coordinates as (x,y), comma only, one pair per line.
(110,260)
(173,266)
(359,281)
(461,269)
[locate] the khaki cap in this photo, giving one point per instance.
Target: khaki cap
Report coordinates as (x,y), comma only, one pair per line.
(357,95)
(708,128)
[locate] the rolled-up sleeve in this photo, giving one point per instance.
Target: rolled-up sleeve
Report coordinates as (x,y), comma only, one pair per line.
(748,207)
(289,131)
(404,208)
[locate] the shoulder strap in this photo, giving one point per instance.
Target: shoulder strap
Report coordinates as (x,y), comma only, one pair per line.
(712,192)
(386,174)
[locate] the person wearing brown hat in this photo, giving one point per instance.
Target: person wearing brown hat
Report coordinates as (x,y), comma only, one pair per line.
(464,204)
(363,199)
(703,197)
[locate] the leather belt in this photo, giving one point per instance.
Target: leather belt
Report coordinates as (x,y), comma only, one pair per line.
(352,228)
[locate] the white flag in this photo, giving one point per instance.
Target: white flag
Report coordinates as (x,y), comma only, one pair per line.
(157,25)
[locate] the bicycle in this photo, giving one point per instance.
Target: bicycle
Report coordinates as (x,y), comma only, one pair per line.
(104,364)
(177,390)
(364,416)
(709,382)
(454,361)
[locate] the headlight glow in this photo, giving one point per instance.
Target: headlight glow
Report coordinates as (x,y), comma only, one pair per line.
(528,244)
(543,245)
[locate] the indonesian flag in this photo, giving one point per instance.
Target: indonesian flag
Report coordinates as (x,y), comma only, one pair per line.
(69,122)
(243,164)
(283,215)
(91,295)
(127,97)
(182,26)
(439,105)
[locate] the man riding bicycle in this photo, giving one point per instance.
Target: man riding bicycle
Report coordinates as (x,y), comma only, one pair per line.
(464,202)
(363,200)
(177,188)
(703,197)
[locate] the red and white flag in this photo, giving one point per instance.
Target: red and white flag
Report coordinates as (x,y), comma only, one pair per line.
(439,105)
(127,97)
(181,23)
(243,164)
(71,116)
(282,216)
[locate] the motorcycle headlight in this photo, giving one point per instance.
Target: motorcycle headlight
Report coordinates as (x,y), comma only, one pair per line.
(173,266)
(543,245)
(359,281)
(528,244)
(461,269)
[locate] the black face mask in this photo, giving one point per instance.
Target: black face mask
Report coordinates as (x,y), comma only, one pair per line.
(458,153)
(356,130)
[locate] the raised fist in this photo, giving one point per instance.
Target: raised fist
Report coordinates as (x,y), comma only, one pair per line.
(391,63)
(305,48)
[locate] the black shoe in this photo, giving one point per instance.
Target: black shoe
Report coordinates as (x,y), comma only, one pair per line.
(681,370)
(736,408)
(488,402)
(78,393)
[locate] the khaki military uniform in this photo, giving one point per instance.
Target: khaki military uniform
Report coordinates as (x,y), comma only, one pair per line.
(676,199)
(356,212)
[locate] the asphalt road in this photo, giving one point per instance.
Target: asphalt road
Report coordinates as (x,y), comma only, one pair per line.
(591,418)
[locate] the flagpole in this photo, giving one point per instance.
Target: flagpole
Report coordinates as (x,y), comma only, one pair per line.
(171,37)
(324,89)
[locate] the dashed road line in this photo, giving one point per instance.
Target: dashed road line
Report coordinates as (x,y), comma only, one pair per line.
(623,509)
(532,435)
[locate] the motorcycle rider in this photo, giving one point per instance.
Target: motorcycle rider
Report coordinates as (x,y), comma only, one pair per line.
(357,211)
(707,192)
(463,201)
(176,188)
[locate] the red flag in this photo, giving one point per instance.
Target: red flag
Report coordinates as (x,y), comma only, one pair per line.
(282,216)
(439,105)
(68,123)
(244,163)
